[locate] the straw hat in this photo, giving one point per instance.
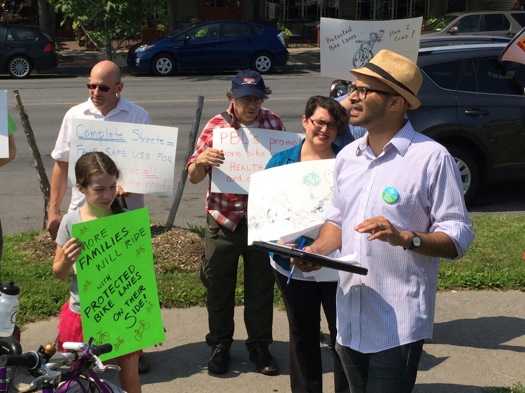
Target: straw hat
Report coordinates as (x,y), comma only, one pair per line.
(398,72)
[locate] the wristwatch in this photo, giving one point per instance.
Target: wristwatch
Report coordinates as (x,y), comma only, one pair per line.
(415,242)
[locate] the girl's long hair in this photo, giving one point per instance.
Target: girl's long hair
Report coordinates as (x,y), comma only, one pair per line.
(93,164)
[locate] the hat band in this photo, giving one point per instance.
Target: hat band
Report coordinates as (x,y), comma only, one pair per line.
(387,76)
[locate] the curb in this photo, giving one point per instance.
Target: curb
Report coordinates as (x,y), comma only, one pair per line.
(81,62)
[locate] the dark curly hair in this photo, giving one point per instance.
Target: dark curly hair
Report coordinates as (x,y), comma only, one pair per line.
(334,108)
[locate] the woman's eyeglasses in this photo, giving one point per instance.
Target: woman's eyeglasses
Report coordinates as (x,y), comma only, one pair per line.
(321,123)
(362,91)
(102,88)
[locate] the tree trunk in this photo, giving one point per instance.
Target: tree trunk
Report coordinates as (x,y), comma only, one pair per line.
(172,15)
(37,158)
(46,18)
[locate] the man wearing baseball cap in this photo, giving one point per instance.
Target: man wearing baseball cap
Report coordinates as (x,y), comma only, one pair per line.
(226,236)
(398,207)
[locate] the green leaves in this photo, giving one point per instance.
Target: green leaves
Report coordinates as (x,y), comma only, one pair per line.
(106,21)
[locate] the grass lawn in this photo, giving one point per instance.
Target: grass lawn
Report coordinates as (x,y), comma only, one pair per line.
(494,261)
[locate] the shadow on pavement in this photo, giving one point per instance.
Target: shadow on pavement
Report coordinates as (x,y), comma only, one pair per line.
(449,388)
(483,332)
(190,359)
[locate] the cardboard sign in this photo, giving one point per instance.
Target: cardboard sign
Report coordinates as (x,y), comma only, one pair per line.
(347,44)
(246,150)
(145,154)
(116,283)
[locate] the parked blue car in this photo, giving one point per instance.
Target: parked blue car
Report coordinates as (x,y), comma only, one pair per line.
(216,45)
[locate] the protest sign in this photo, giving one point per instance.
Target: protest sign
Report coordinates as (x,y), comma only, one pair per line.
(515,49)
(347,44)
(116,283)
(246,151)
(144,153)
(4,141)
(289,200)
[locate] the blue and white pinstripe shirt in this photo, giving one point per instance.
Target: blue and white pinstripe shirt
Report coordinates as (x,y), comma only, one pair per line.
(394,304)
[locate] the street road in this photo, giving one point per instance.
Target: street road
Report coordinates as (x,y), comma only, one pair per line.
(169,101)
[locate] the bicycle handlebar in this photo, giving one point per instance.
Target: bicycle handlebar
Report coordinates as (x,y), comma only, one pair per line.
(45,369)
(31,360)
(96,350)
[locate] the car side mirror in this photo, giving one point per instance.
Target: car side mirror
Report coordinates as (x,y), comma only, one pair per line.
(453,30)
(339,88)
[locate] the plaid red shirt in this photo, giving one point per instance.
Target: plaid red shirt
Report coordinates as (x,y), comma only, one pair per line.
(228,209)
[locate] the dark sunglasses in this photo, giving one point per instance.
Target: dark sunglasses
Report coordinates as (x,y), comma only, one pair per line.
(102,88)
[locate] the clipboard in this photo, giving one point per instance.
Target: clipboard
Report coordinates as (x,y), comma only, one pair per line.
(290,252)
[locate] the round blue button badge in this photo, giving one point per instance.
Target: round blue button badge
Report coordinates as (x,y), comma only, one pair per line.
(390,195)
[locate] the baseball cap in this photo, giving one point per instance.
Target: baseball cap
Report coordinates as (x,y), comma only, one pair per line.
(248,83)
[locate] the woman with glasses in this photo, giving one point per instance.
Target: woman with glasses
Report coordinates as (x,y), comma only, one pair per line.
(323,120)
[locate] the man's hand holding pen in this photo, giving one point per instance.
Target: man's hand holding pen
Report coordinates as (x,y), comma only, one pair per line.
(303,265)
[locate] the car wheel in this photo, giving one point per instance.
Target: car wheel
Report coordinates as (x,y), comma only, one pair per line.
(163,65)
(19,67)
(468,170)
(262,63)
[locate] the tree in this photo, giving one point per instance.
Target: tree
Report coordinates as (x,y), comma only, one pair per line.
(46,18)
(105,22)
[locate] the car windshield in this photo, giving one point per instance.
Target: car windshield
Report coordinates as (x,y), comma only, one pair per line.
(440,23)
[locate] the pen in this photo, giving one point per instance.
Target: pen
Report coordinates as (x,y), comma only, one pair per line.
(303,241)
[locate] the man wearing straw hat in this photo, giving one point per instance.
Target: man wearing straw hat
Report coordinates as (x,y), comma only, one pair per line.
(398,207)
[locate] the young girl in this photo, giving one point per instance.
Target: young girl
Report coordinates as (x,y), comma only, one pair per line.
(96,176)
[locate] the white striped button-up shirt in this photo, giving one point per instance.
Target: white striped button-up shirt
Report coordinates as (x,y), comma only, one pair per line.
(394,304)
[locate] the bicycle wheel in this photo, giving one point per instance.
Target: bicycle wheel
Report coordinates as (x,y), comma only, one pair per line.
(360,58)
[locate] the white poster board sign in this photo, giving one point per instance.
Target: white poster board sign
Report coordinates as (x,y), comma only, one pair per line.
(4,140)
(515,50)
(347,44)
(289,200)
(144,153)
(246,151)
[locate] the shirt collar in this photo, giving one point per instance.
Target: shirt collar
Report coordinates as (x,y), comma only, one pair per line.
(235,121)
(122,105)
(401,140)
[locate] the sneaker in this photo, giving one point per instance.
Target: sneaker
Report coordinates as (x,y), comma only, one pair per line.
(264,360)
(219,360)
(143,365)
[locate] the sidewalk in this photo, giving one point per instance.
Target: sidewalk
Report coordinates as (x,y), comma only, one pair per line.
(73,60)
(479,342)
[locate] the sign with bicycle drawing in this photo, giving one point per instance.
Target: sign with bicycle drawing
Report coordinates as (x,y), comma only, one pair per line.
(289,200)
(116,283)
(349,44)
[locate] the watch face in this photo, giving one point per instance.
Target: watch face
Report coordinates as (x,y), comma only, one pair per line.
(416,241)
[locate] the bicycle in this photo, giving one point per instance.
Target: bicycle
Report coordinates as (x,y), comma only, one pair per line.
(47,367)
(364,54)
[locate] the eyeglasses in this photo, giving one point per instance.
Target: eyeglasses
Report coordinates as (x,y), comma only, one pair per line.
(102,88)
(321,123)
(362,91)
